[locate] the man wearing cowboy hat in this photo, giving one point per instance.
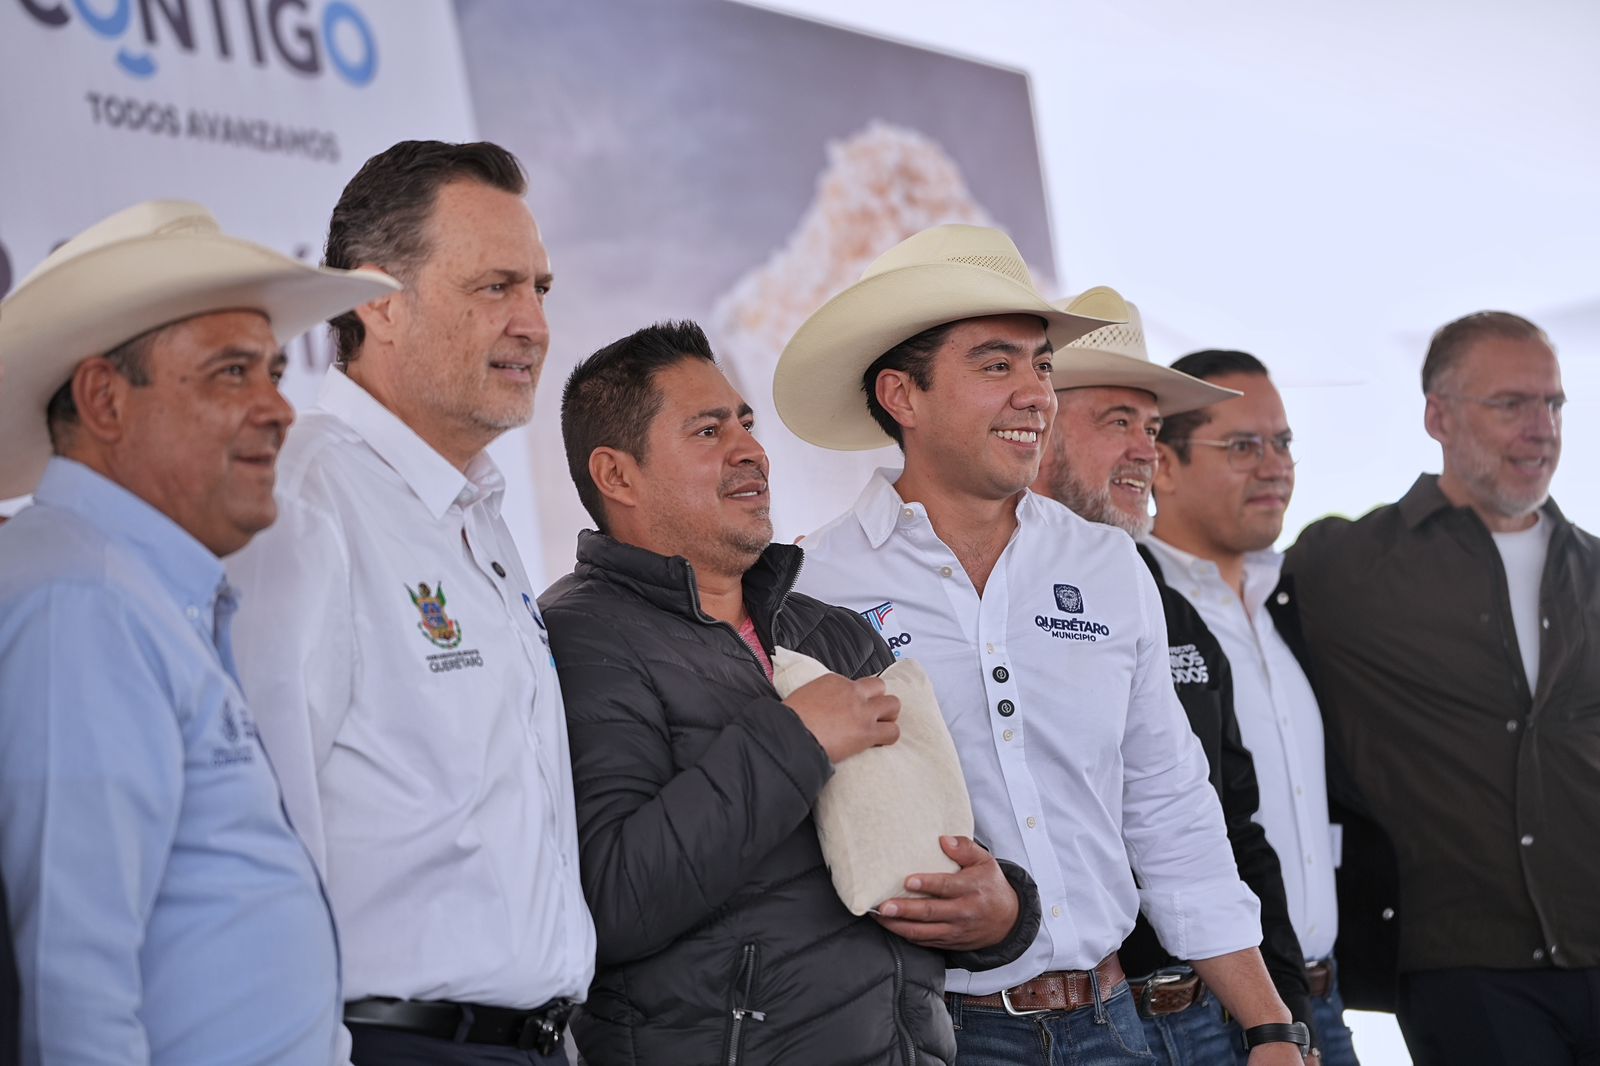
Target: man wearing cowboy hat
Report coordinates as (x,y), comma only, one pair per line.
(1100,461)
(401,671)
(1044,639)
(162,906)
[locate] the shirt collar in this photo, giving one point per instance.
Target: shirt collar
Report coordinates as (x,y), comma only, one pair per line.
(1425,499)
(434,480)
(880,510)
(188,569)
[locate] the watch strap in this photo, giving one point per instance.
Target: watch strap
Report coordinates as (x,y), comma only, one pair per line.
(1278,1033)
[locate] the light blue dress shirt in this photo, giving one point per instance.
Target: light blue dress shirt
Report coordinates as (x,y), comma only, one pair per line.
(163,909)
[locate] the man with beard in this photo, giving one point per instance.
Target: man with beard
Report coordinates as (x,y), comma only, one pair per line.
(390,643)
(1224,480)
(1044,638)
(1455,637)
(720,935)
(1100,461)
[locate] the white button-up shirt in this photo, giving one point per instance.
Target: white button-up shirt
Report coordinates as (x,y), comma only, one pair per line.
(404,688)
(1281,725)
(1057,690)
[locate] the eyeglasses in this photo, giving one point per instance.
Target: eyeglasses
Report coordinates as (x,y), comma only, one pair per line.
(1249,450)
(1514,407)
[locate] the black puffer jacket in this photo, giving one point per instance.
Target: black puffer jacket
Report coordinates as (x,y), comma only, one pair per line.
(721,939)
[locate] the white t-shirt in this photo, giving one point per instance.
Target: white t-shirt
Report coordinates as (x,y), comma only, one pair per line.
(1523,554)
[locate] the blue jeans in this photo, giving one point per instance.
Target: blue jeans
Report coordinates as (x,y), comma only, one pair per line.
(1199,1036)
(1109,1034)
(1333,1036)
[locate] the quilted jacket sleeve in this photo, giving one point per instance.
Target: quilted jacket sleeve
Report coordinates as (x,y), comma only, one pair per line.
(663,847)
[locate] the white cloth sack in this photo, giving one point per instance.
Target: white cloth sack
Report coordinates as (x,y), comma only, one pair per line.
(880,817)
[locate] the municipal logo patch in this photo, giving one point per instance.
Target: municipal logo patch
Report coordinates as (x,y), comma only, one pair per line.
(881,618)
(440,629)
(1069,599)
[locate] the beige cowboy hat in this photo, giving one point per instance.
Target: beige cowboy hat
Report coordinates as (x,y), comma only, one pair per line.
(940,275)
(147,266)
(1115,356)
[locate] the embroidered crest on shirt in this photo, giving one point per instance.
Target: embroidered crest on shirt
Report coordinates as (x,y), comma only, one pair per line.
(881,618)
(1070,600)
(437,626)
(1188,665)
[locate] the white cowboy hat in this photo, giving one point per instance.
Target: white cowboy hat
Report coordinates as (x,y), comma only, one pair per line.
(148,266)
(943,274)
(1115,356)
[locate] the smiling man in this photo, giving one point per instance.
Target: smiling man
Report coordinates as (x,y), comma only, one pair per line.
(721,937)
(1455,638)
(401,673)
(157,895)
(1100,461)
(1044,638)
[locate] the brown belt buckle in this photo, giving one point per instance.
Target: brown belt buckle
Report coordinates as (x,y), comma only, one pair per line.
(1005,998)
(1159,979)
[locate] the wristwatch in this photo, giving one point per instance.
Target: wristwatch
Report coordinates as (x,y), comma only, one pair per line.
(1279,1033)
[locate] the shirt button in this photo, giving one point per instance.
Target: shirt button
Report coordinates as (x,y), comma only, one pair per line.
(1511,726)
(1545,622)
(945,571)
(1033,823)
(191,613)
(1283,598)
(1538,954)
(1388,914)
(1527,840)
(1055,912)
(908,513)
(1006,708)
(1298,791)
(989,648)
(1007,735)
(1001,674)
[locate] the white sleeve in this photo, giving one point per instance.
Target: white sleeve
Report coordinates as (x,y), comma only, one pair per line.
(1177,841)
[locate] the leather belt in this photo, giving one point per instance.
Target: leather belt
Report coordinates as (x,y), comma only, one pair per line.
(1167,993)
(539,1029)
(1319,973)
(1055,990)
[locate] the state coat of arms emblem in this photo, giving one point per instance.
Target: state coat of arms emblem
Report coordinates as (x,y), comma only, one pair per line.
(437,626)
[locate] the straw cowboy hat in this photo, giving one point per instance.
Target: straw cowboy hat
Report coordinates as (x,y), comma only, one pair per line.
(148,266)
(1115,356)
(940,275)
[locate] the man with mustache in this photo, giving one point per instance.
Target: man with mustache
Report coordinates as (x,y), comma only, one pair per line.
(721,937)
(1100,461)
(1044,638)
(162,908)
(401,671)
(1455,639)
(1225,477)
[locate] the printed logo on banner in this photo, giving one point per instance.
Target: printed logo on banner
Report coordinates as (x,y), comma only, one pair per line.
(881,619)
(289,33)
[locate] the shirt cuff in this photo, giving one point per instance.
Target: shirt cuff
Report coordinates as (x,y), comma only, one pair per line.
(1202,921)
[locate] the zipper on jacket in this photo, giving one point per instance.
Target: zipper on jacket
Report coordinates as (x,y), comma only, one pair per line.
(743,986)
(908,1051)
(783,594)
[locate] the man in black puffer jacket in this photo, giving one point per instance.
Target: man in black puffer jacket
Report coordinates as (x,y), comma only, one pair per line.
(721,939)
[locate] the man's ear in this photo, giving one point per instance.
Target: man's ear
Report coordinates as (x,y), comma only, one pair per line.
(100,393)
(616,474)
(894,389)
(381,318)
(1434,418)
(1164,483)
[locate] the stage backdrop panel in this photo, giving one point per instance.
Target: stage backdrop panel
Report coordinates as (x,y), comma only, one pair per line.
(707,160)
(259,109)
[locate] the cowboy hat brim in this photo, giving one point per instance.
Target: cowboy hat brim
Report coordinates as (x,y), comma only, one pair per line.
(89,304)
(1175,391)
(817,384)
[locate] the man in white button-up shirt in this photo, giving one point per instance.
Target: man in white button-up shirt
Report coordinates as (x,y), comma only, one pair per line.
(390,643)
(1044,637)
(1224,480)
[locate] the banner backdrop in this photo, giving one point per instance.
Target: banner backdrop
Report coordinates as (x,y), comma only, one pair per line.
(702,159)
(259,109)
